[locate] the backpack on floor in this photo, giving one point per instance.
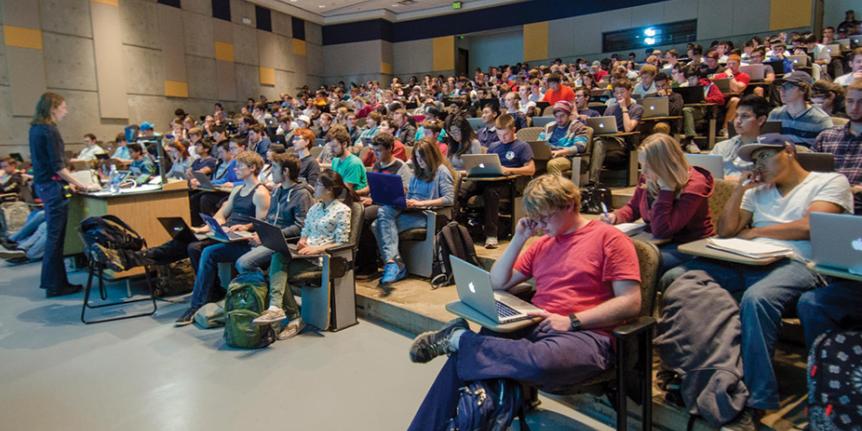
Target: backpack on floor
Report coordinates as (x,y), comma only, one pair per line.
(245,301)
(488,405)
(13,216)
(211,315)
(452,240)
(176,278)
(835,382)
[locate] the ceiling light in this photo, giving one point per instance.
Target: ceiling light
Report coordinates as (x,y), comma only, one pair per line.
(649,41)
(321,6)
(650,32)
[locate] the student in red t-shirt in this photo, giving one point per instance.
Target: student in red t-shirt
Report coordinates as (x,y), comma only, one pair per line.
(738,83)
(557,91)
(587,281)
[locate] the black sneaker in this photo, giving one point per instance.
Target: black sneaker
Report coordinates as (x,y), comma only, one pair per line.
(432,344)
(65,290)
(186,318)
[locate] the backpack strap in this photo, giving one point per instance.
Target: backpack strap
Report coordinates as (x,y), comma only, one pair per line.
(116,220)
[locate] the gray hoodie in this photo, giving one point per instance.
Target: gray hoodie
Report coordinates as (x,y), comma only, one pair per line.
(288,207)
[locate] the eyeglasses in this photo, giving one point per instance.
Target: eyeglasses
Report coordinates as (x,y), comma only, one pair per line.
(787,86)
(761,157)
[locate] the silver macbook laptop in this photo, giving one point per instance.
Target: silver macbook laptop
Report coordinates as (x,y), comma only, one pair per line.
(799,60)
(542,121)
(655,107)
(474,289)
(482,165)
(836,241)
(602,125)
(754,71)
(713,163)
(204,182)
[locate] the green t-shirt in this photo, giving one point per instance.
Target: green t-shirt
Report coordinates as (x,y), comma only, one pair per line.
(352,171)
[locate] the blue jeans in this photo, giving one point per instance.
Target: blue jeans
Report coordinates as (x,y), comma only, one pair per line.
(765,293)
(545,358)
(390,221)
(671,258)
(255,260)
(34,219)
(207,267)
(832,308)
(56,204)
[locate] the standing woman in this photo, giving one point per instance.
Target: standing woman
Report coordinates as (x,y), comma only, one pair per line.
(54,185)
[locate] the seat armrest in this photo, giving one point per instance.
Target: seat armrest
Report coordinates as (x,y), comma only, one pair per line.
(340,248)
(635,327)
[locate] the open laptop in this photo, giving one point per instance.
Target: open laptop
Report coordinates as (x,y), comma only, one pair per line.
(602,125)
(179,230)
(723,85)
(482,165)
(754,71)
(690,95)
(476,123)
(833,49)
(221,235)
(474,290)
(387,189)
(777,66)
(713,163)
(844,43)
(272,238)
(656,107)
(855,41)
(836,241)
(799,60)
(204,182)
(542,121)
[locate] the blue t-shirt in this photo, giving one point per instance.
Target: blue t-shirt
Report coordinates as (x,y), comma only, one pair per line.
(512,155)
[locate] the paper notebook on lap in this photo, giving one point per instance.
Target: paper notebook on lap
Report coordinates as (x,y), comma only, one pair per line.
(748,248)
(631,229)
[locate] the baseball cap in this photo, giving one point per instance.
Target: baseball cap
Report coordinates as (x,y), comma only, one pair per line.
(146,125)
(798,78)
(768,141)
(305,119)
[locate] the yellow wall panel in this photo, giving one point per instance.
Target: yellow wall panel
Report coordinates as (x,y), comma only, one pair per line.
(224,51)
(385,68)
(789,14)
(297,46)
(22,37)
(444,53)
(107,2)
(176,89)
(267,76)
(536,41)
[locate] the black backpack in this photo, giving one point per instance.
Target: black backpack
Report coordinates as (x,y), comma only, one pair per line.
(835,381)
(592,198)
(489,405)
(113,234)
(452,240)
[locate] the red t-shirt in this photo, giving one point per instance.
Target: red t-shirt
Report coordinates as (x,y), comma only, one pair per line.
(739,77)
(575,272)
(398,152)
(564,93)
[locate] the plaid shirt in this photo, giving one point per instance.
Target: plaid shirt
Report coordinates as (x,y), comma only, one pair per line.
(846,148)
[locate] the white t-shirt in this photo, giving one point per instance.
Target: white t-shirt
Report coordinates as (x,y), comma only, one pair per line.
(89,153)
(768,207)
(844,80)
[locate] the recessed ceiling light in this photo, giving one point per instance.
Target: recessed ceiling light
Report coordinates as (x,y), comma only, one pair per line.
(321,6)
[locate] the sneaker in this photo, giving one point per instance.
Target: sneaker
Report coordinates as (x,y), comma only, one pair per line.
(692,148)
(491,242)
(432,344)
(392,272)
(8,243)
(108,257)
(65,290)
(186,318)
(269,316)
(12,254)
(292,329)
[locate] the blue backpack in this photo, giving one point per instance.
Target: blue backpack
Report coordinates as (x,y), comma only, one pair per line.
(489,405)
(835,382)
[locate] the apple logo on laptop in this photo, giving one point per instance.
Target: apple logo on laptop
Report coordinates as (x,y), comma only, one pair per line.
(482,165)
(472,288)
(652,108)
(857,244)
(601,125)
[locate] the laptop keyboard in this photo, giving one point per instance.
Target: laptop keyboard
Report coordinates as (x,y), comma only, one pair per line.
(504,311)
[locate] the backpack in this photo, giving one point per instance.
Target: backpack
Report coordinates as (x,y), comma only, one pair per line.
(592,198)
(488,405)
(452,240)
(174,278)
(835,381)
(245,301)
(211,315)
(13,216)
(113,234)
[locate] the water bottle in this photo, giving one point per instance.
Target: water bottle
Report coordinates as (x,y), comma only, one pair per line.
(114,179)
(542,136)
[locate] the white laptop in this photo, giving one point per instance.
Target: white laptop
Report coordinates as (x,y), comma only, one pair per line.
(836,241)
(482,165)
(754,71)
(474,290)
(713,163)
(602,125)
(655,107)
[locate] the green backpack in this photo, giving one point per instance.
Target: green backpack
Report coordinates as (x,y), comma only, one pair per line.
(245,301)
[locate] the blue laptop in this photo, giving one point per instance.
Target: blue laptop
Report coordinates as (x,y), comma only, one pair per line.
(387,189)
(220,235)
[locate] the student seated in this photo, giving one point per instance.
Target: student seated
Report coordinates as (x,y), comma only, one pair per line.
(751,114)
(398,149)
(142,166)
(516,158)
(593,286)
(567,137)
(431,185)
(121,149)
(246,201)
(288,208)
(770,205)
(180,160)
(433,129)
(855,66)
(487,134)
(327,225)
(11,181)
(799,119)
(646,86)
(370,129)
(224,177)
(845,143)
(692,115)
(628,115)
(91,149)
(309,168)
(738,83)
(461,139)
(672,198)
(205,163)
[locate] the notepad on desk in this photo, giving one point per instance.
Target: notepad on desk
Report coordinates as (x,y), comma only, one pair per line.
(748,248)
(631,229)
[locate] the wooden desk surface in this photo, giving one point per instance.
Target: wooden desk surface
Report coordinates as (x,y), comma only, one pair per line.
(662,118)
(479,179)
(700,249)
(700,105)
(620,134)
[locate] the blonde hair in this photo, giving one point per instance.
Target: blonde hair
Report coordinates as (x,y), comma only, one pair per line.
(548,194)
(250,159)
(665,158)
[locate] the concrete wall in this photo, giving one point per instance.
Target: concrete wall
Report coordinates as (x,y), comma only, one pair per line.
(833,13)
(358,61)
(150,63)
(495,49)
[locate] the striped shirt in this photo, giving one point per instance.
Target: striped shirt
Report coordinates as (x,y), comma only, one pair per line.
(803,128)
(847,149)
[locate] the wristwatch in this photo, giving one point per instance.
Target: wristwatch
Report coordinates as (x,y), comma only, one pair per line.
(576,324)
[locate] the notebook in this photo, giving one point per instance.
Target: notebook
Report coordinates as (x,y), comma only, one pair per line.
(631,229)
(748,248)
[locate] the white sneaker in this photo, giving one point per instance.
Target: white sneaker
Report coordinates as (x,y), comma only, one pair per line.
(292,329)
(692,148)
(270,316)
(491,242)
